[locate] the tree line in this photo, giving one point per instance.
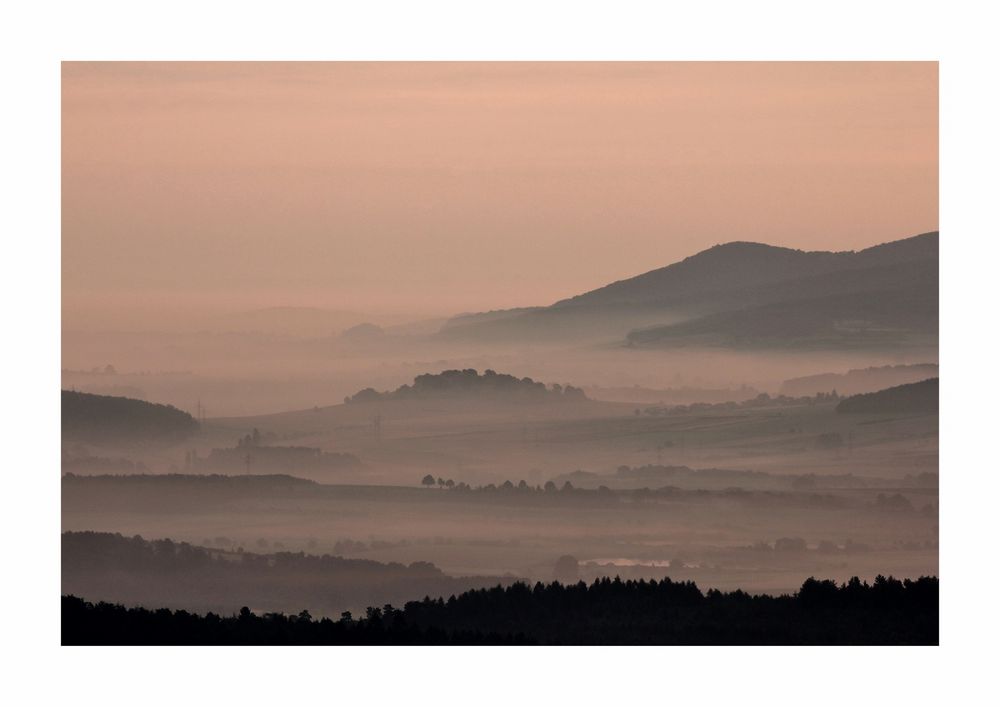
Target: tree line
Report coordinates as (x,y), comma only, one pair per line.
(606,612)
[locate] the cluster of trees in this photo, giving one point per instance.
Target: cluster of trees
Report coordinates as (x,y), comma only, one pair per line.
(714,477)
(443,483)
(762,400)
(105,418)
(251,456)
(800,545)
(603,495)
(249,440)
(829,440)
(606,612)
(522,486)
(468,383)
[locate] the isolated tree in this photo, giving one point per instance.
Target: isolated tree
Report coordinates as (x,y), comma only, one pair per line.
(550,486)
(450,483)
(428,480)
(440,481)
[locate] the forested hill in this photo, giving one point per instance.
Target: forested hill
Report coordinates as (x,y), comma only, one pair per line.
(105,418)
(607,612)
(469,383)
(919,397)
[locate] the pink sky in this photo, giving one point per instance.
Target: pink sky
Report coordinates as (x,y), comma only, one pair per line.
(445,187)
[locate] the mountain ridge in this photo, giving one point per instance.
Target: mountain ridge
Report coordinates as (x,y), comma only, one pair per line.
(730,277)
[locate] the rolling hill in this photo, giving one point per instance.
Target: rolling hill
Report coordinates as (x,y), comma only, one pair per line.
(740,294)
(860,380)
(101,419)
(910,398)
(469,384)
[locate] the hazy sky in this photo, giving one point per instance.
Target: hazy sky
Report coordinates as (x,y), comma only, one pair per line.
(445,187)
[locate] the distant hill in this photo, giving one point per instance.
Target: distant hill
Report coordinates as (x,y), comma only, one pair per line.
(738,267)
(473,318)
(175,574)
(744,294)
(362,332)
(908,398)
(469,383)
(104,419)
(288,321)
(316,322)
(859,380)
(873,318)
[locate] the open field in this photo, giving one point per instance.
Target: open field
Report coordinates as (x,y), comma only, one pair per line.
(466,441)
(719,539)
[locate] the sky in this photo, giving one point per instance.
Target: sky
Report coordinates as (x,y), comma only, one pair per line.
(437,188)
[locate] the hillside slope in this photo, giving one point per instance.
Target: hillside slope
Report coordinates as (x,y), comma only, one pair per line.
(712,296)
(909,398)
(102,419)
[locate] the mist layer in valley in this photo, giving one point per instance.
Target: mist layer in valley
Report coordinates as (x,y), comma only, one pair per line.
(743,419)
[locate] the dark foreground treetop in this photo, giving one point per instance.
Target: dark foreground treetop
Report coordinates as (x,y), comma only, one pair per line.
(607,612)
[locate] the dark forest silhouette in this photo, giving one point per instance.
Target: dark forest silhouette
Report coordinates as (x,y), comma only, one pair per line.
(607,612)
